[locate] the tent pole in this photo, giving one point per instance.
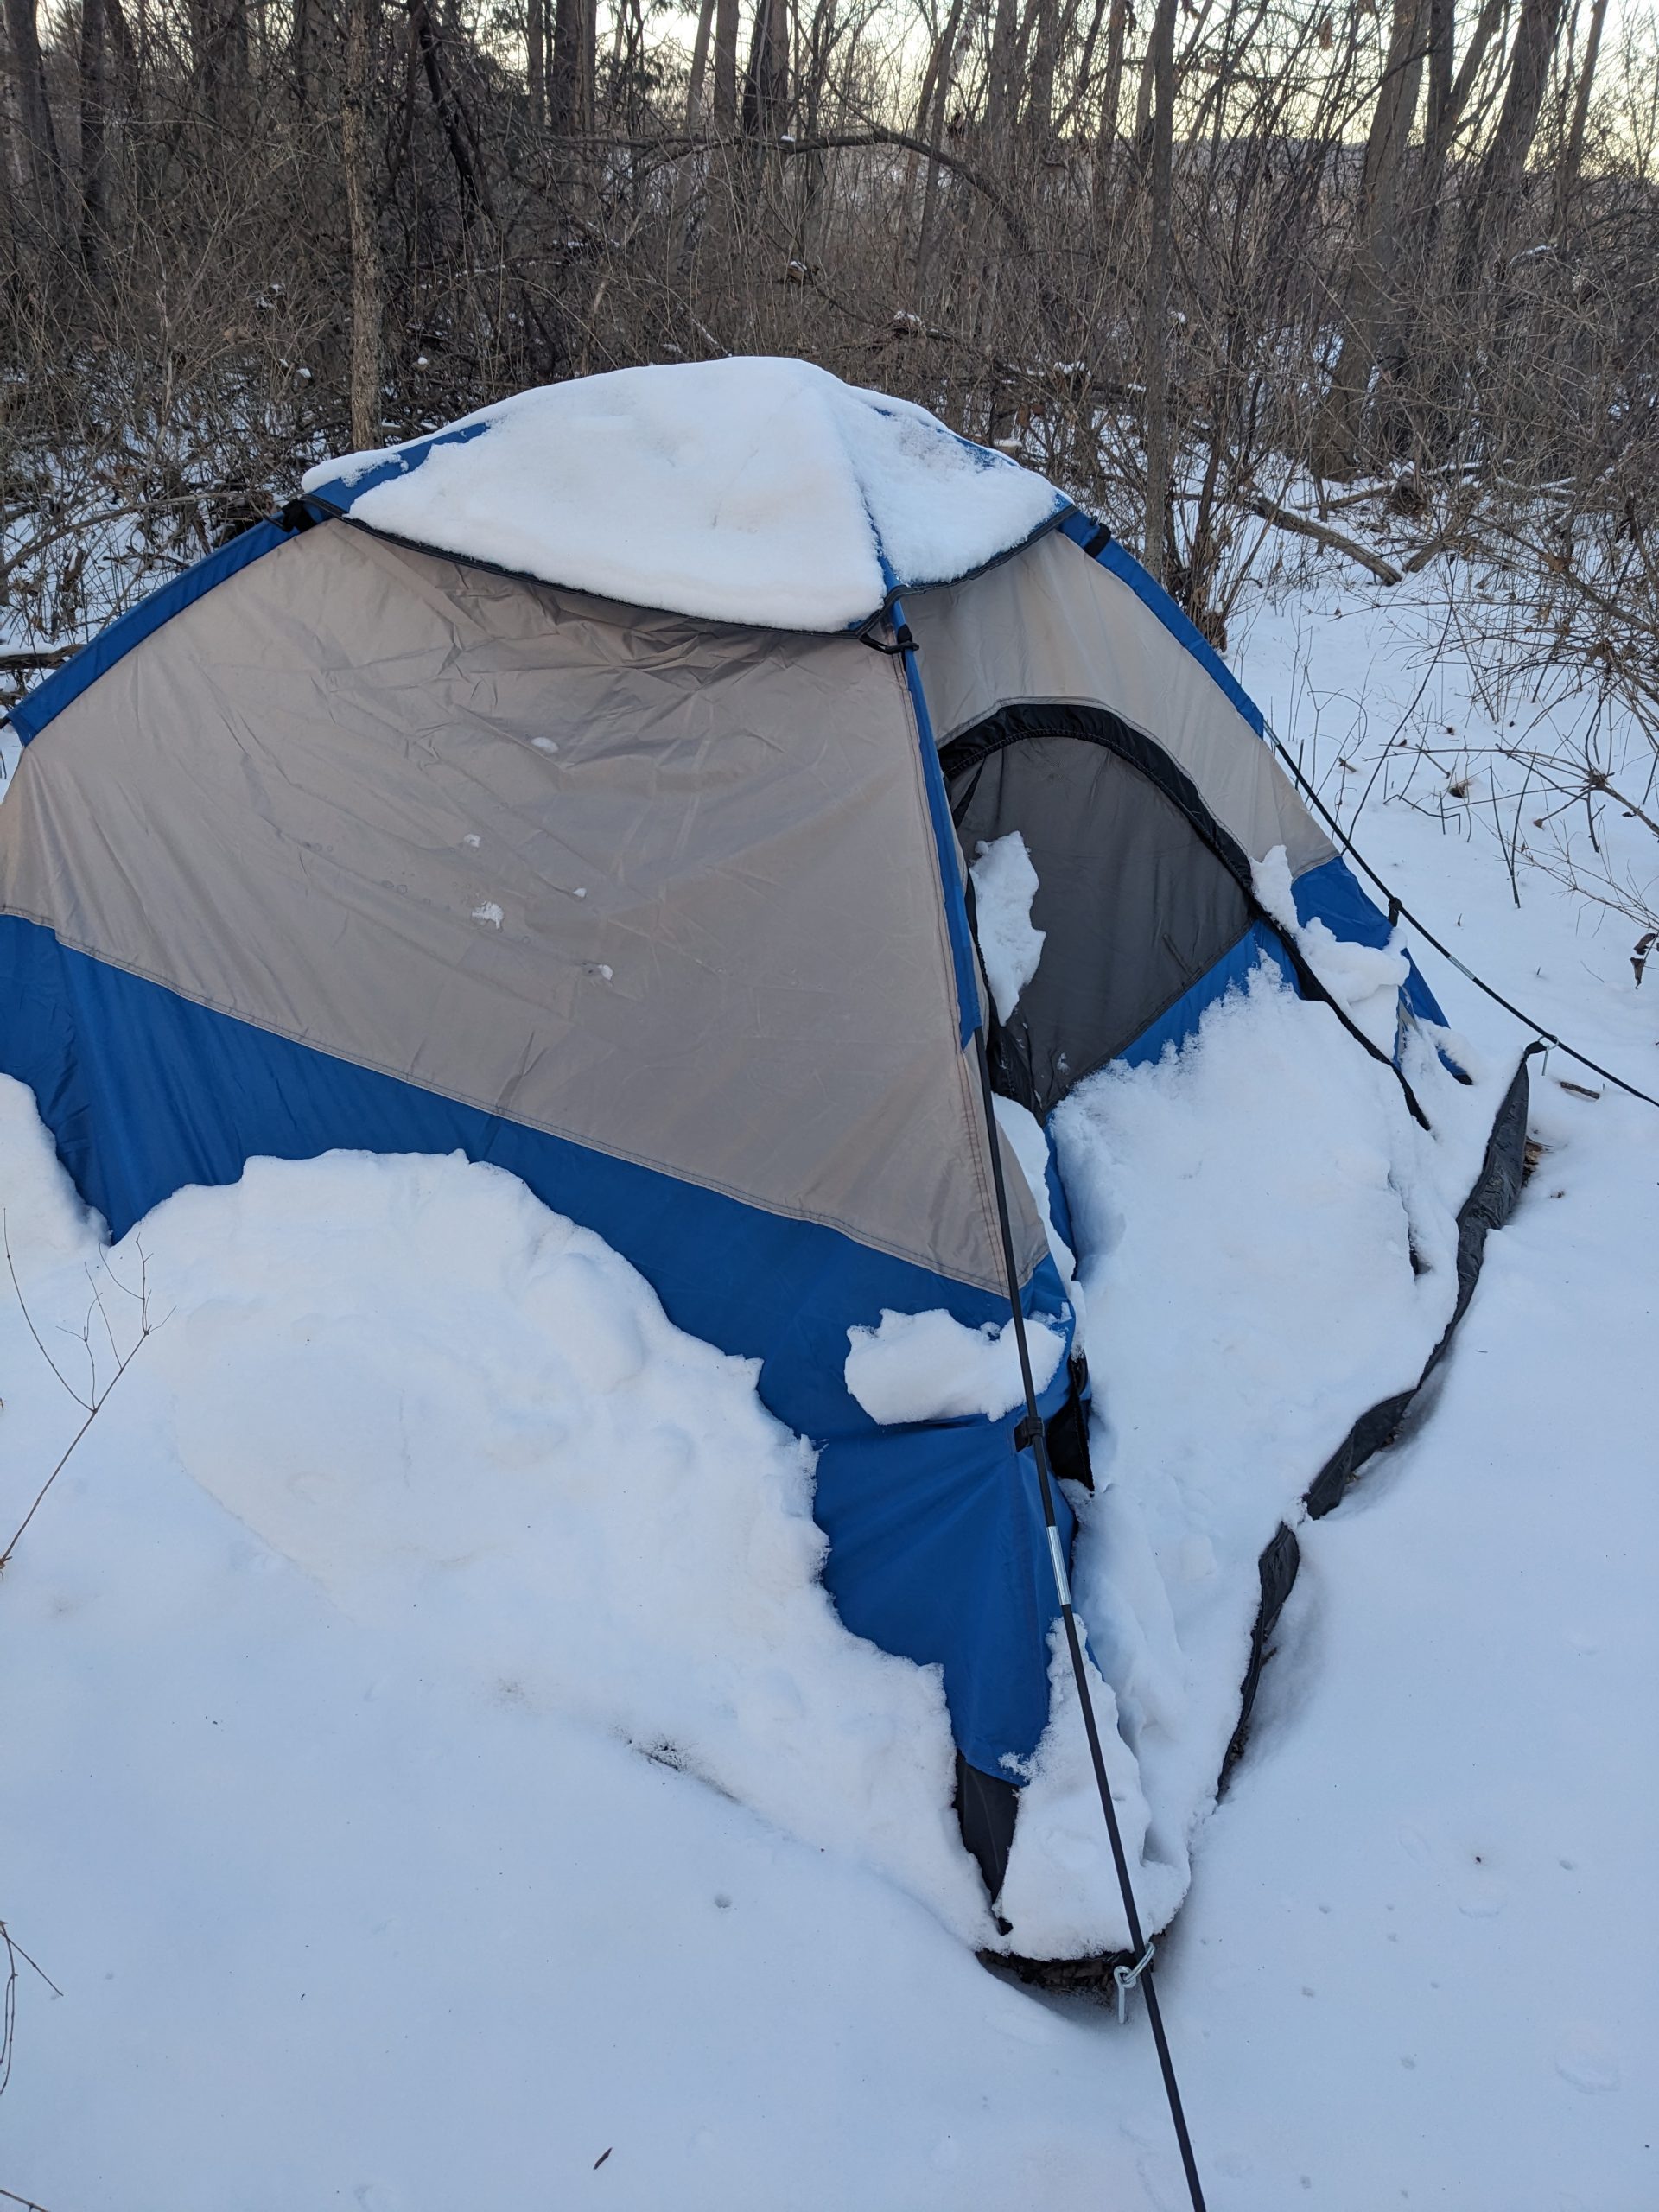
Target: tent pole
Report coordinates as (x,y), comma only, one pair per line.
(1030,1432)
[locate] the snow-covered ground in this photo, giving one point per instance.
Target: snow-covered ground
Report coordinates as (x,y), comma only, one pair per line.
(433,1777)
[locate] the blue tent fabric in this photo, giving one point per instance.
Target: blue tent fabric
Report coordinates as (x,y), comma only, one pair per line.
(339,493)
(1332,894)
(938,1550)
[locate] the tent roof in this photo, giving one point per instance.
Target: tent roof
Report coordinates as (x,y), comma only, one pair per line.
(747,490)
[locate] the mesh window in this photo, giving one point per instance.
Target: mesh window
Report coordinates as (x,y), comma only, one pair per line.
(1138,891)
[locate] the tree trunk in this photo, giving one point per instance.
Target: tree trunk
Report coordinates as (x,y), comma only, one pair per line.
(536,62)
(564,74)
(1001,88)
(569,92)
(1498,184)
(121,62)
(699,67)
(935,62)
(1155,348)
(765,87)
(218,54)
(932,127)
(1111,99)
(368,278)
(725,109)
(1442,56)
(1368,300)
(93,72)
(1445,120)
(302,51)
(459,136)
(1573,154)
(41,159)
(1045,56)
(1082,76)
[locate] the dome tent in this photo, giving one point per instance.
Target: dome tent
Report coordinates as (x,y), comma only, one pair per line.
(590,788)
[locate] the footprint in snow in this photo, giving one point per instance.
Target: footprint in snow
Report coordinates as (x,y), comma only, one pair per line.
(1587,2060)
(1483,1902)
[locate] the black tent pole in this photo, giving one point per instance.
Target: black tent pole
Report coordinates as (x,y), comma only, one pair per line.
(1031,1433)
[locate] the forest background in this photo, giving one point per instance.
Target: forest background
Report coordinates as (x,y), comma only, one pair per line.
(1252,279)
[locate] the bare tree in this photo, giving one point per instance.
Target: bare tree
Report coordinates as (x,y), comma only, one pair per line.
(1156,534)
(43,170)
(725,107)
(368,278)
(1170,258)
(1496,194)
(1573,153)
(1368,301)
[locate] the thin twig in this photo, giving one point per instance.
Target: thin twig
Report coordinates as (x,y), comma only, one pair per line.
(28,1319)
(100,1398)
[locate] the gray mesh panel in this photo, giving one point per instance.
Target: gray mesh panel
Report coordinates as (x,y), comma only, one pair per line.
(1134,906)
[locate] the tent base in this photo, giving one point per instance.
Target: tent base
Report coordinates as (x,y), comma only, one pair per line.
(1503,1169)
(986,1805)
(1063,1977)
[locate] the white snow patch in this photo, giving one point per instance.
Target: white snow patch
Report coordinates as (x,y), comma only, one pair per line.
(1365,979)
(1024,1134)
(1247,1211)
(1005,883)
(1061,1886)
(933,1367)
(471,1425)
(489,914)
(747,490)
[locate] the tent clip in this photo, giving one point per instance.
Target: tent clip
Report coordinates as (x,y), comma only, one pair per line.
(1026,1434)
(903,639)
(1126,1977)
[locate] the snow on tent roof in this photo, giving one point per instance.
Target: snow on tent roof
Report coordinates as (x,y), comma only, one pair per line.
(747,490)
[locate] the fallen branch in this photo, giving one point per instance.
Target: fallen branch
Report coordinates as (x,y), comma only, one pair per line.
(48,657)
(1447,542)
(1333,541)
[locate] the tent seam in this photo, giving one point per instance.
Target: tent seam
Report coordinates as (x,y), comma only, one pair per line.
(991,1284)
